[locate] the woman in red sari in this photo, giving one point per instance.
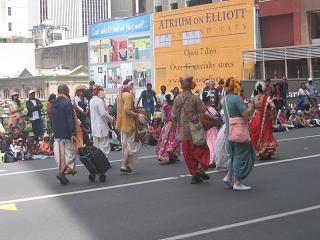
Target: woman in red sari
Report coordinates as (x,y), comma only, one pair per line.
(261,124)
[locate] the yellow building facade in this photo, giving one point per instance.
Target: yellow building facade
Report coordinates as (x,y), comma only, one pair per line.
(204,41)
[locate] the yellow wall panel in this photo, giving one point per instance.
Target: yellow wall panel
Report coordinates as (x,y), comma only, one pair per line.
(204,41)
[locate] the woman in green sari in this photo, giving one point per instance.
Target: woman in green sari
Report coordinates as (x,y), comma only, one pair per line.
(241,156)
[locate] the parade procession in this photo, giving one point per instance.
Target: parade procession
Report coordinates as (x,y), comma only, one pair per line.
(164,119)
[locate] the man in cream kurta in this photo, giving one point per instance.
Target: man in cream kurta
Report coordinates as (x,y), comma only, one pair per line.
(99,122)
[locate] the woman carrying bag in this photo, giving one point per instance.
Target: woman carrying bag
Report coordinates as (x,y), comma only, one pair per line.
(240,153)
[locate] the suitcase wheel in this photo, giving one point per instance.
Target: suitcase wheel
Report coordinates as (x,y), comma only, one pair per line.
(92,177)
(102,178)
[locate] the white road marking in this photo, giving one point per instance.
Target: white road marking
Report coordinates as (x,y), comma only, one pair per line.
(2,170)
(145,157)
(297,138)
(137,183)
(54,168)
(244,223)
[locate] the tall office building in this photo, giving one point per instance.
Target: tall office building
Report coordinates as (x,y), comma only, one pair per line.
(93,11)
(17,17)
(43,10)
(76,15)
(66,13)
(129,8)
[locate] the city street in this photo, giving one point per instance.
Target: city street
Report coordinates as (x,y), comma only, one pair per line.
(158,202)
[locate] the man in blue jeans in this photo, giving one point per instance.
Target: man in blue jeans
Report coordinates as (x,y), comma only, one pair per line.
(148,99)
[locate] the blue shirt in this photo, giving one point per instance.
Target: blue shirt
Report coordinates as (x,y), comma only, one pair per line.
(148,99)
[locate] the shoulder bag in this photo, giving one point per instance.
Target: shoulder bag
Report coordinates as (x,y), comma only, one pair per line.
(238,128)
(197,131)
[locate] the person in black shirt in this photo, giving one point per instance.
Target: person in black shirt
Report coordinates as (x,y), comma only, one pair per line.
(284,90)
(88,93)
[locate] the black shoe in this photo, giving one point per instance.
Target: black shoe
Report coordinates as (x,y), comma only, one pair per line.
(62,178)
(196,180)
(212,165)
(203,176)
(126,171)
(130,170)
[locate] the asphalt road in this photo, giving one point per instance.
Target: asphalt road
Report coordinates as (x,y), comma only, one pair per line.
(158,202)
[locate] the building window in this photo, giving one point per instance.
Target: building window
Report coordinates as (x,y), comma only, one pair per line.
(40,93)
(162,41)
(158,9)
(142,6)
(57,36)
(9,26)
(315,25)
(192,37)
(161,73)
(9,11)
(191,3)
(174,6)
(6,93)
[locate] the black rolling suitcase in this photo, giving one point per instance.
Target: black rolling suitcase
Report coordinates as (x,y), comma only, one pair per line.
(96,163)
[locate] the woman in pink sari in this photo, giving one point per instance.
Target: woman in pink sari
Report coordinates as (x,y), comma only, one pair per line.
(212,132)
(168,148)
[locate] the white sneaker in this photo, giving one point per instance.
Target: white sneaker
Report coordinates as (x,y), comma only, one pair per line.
(241,187)
(227,181)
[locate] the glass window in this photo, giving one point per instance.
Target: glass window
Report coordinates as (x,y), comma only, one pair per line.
(9,26)
(9,11)
(174,6)
(142,6)
(162,41)
(158,9)
(161,73)
(191,3)
(57,36)
(315,25)
(191,37)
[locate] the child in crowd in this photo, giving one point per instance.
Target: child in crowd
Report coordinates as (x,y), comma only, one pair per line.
(18,150)
(32,145)
(114,141)
(158,114)
(114,135)
(154,132)
(45,148)
(280,122)
(301,122)
(311,116)
(292,121)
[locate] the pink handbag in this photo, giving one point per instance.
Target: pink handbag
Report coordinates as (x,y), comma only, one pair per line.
(238,128)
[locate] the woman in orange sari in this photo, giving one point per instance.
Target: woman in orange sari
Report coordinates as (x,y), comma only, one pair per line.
(261,124)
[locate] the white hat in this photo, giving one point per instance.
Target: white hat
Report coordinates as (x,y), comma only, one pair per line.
(171,96)
(31,91)
(300,112)
(46,135)
(14,93)
(263,85)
